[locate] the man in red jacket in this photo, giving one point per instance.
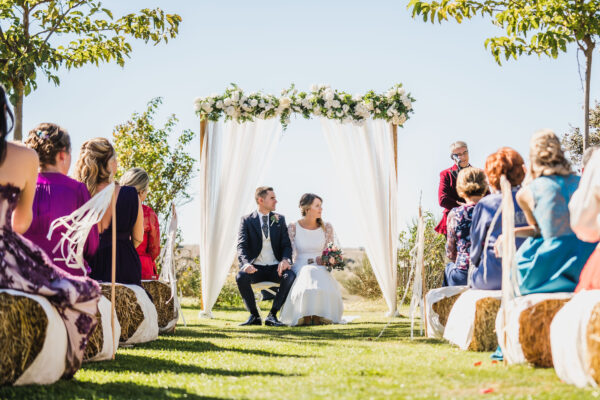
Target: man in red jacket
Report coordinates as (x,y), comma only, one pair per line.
(447,195)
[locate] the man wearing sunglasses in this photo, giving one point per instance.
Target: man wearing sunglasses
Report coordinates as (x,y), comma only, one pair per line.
(447,195)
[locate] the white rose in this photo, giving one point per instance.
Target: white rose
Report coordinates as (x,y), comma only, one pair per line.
(356,97)
(230,111)
(207,107)
(227,102)
(406,102)
(390,94)
(329,95)
(197,107)
(345,108)
(317,111)
(235,96)
(285,102)
(253,102)
(219,104)
(336,103)
(198,100)
(369,105)
(314,88)
(339,113)
(391,111)
(400,91)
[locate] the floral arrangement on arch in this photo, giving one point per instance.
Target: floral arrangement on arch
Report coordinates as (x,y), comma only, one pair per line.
(394,106)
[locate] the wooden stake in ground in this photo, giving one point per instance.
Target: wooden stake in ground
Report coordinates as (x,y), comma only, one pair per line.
(113,276)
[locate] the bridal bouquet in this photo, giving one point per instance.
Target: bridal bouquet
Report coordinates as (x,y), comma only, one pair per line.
(332,258)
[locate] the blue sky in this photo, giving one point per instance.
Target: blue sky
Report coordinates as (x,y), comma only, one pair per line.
(355,46)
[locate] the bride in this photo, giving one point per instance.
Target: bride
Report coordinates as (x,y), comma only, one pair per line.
(315,297)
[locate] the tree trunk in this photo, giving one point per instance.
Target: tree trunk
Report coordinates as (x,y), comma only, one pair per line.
(19,94)
(589,50)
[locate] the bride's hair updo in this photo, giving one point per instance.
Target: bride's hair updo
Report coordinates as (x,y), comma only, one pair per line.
(306,202)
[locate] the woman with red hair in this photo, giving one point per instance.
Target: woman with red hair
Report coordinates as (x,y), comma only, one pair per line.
(487,218)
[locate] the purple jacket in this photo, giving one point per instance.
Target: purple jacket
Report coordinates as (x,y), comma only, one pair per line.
(57,195)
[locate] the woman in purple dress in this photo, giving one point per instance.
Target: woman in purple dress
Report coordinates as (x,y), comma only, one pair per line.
(96,167)
(56,195)
(25,266)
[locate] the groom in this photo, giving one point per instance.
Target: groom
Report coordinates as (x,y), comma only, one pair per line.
(264,252)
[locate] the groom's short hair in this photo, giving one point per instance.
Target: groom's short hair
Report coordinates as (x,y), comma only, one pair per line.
(262,191)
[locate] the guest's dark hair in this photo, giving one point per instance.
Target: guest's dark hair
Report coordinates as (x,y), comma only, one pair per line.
(5,114)
(48,139)
(306,202)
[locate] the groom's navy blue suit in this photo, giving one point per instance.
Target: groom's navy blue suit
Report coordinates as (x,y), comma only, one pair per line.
(249,247)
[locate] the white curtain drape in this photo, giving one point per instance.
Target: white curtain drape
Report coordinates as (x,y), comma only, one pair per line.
(234,160)
(364,159)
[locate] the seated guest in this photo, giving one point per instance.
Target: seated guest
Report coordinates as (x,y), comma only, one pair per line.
(471,186)
(552,257)
(486,268)
(25,266)
(56,195)
(585,208)
(447,194)
(96,167)
(149,249)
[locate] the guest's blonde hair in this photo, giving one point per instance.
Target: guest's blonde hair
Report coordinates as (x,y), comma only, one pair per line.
(92,166)
(136,177)
(471,182)
(547,156)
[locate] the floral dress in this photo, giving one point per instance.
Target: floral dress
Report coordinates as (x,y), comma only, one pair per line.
(458,245)
(24,266)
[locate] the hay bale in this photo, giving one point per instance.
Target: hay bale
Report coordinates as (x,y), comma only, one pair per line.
(129,311)
(534,331)
(484,331)
(442,308)
(593,343)
(23,324)
(164,302)
(95,341)
(33,339)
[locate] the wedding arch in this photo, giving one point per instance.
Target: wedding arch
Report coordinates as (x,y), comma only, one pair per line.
(362,134)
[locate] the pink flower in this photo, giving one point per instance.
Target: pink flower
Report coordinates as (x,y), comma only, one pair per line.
(331,260)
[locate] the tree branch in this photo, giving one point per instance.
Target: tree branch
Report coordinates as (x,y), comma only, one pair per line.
(61,18)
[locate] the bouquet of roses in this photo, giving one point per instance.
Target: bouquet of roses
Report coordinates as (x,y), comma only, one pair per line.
(332,258)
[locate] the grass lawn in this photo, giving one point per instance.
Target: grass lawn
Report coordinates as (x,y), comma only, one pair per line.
(216,359)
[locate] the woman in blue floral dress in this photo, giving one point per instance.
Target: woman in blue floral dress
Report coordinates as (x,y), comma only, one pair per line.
(472,186)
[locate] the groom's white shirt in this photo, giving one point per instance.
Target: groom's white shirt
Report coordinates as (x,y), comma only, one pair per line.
(266,256)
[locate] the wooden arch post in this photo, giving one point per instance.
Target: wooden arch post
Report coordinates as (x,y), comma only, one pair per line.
(203,129)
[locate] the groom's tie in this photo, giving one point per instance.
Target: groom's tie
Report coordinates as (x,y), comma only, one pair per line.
(265,226)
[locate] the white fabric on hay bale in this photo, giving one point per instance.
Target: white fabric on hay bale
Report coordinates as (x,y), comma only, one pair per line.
(512,351)
(148,329)
(49,364)
(568,338)
(460,326)
(435,329)
(107,343)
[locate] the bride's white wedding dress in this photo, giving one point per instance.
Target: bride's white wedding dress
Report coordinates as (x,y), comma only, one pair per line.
(314,291)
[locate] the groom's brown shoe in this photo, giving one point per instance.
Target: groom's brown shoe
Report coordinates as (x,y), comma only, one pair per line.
(273,321)
(253,320)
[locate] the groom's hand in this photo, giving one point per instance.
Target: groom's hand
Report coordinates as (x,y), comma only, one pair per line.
(283,265)
(249,269)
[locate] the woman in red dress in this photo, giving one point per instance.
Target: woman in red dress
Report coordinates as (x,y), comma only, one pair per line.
(447,195)
(149,249)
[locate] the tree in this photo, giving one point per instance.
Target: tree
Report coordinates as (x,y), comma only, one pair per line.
(44,35)
(542,27)
(139,143)
(572,141)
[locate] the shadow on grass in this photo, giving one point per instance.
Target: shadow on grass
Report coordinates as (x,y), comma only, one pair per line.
(148,365)
(90,390)
(198,346)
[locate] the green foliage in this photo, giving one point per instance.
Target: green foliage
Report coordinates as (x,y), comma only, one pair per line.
(229,297)
(139,143)
(363,282)
(434,255)
(531,26)
(88,33)
(572,141)
(189,279)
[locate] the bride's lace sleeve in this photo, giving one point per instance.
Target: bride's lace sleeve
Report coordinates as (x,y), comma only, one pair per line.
(292,234)
(330,236)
